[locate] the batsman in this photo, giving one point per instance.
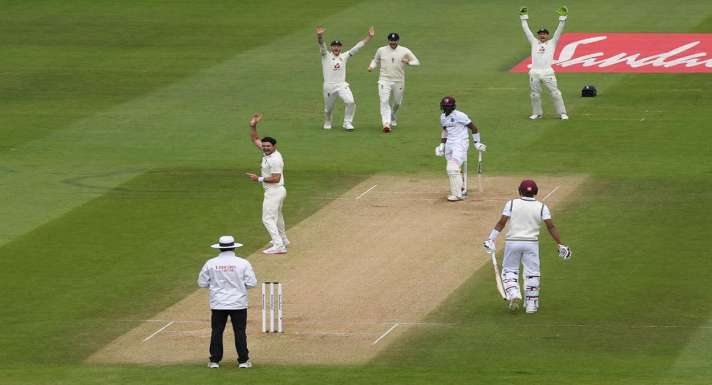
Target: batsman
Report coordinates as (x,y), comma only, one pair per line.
(454,144)
(525,216)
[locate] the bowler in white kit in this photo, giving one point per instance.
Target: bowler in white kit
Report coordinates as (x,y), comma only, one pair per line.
(392,60)
(541,72)
(525,216)
(272,180)
(333,65)
(455,143)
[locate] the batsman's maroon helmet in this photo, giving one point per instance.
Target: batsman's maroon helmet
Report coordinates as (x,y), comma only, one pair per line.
(528,188)
(447,104)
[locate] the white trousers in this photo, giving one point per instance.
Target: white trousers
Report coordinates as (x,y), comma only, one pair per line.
(526,254)
(342,91)
(391,95)
(272,216)
(548,78)
(457,151)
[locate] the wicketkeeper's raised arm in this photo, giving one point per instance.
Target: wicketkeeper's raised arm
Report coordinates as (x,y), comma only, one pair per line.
(523,16)
(320,39)
(563,13)
(254,136)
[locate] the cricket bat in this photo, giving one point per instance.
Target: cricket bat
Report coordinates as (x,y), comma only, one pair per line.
(497,276)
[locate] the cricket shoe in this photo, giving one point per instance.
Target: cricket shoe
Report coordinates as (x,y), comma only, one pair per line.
(532,305)
(453,198)
(386,129)
(275,250)
(348,127)
(327,125)
(535,117)
(394,123)
(564,117)
(285,242)
(244,365)
(213,365)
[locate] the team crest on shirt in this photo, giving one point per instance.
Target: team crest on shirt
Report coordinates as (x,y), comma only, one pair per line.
(337,67)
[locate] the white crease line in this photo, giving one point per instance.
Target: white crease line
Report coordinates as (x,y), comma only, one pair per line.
(158,331)
(395,325)
(366,192)
(552,191)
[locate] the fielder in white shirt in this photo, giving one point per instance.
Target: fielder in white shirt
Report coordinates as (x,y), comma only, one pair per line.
(454,144)
(333,66)
(543,48)
(228,277)
(392,60)
(525,216)
(272,180)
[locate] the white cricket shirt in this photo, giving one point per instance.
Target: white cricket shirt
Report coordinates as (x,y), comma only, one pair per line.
(390,61)
(456,126)
(333,66)
(273,164)
(543,53)
(526,215)
(227,277)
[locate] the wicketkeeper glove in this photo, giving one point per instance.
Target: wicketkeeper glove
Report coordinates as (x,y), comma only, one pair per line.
(489,246)
(480,147)
(522,11)
(440,149)
(565,252)
(563,11)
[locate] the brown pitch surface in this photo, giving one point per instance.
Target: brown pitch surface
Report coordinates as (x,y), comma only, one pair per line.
(363,265)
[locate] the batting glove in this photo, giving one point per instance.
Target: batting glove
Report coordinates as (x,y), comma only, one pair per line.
(563,11)
(489,246)
(440,149)
(480,147)
(523,13)
(565,252)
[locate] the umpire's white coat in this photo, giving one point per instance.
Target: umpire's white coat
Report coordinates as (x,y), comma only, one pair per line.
(228,277)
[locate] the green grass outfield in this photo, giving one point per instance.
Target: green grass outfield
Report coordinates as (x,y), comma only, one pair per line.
(123,143)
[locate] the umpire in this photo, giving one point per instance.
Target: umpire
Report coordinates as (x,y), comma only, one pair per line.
(228,278)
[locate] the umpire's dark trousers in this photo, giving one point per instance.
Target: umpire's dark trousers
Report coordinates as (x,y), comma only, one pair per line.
(218,320)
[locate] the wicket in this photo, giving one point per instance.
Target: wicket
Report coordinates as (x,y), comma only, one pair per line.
(272,304)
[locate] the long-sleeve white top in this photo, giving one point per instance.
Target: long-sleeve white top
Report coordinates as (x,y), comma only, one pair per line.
(543,53)
(227,277)
(391,62)
(334,66)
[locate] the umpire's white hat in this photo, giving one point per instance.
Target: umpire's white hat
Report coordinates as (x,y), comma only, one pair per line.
(226,242)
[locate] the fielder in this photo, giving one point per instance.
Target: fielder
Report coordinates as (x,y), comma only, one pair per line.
(525,215)
(333,65)
(454,144)
(392,60)
(272,181)
(541,71)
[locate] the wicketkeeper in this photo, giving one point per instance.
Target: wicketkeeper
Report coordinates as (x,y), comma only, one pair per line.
(525,215)
(541,72)
(454,144)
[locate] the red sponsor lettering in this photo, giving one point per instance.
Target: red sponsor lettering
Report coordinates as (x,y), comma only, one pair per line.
(631,52)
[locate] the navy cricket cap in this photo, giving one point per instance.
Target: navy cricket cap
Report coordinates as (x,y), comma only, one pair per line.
(393,36)
(542,30)
(336,42)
